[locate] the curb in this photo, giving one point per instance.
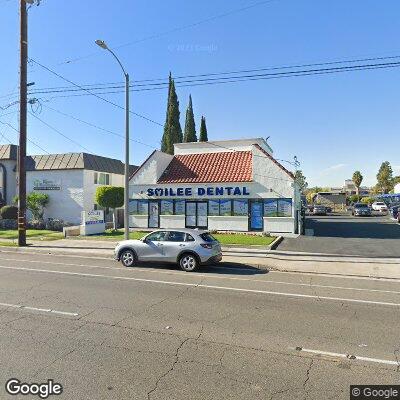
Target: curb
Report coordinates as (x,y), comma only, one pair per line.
(275,243)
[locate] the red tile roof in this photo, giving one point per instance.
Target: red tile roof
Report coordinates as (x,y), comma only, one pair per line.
(232,166)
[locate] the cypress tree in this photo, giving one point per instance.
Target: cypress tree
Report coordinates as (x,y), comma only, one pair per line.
(190,126)
(203,130)
(172,128)
(165,141)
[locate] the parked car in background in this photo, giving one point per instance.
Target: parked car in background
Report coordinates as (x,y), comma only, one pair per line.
(319,210)
(189,248)
(361,210)
(379,206)
(394,212)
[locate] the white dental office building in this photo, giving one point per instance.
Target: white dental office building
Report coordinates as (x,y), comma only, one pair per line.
(232,185)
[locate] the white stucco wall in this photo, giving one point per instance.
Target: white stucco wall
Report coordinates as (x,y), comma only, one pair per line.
(90,187)
(67,203)
(172,221)
(152,169)
(220,146)
(11,180)
(138,221)
(224,223)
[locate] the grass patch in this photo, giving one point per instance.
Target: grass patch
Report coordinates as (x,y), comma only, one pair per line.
(34,234)
(243,240)
(114,235)
(223,238)
(8,244)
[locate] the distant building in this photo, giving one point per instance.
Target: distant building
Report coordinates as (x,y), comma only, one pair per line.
(350,189)
(70,179)
(334,199)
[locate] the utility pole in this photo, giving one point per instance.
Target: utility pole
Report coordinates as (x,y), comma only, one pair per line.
(126,177)
(22,124)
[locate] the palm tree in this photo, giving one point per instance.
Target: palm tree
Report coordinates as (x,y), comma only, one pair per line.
(357,179)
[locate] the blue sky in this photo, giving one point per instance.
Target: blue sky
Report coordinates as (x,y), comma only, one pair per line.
(334,124)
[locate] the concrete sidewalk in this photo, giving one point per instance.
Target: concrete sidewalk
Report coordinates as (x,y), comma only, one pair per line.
(241,257)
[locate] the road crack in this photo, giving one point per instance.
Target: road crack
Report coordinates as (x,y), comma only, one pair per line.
(165,374)
(307,378)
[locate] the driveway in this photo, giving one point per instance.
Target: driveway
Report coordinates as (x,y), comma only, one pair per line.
(376,236)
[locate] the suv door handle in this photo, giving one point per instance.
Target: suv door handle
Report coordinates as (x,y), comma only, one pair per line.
(182,245)
(160,244)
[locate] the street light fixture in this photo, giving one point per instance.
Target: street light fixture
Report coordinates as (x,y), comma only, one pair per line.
(103,45)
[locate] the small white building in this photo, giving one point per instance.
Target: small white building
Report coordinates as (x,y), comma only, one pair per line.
(234,185)
(69,179)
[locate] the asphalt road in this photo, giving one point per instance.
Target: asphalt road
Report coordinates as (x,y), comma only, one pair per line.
(376,236)
(107,332)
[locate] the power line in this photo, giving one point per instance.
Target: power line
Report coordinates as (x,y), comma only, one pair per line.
(139,83)
(176,29)
(254,77)
(29,140)
(94,94)
(60,133)
(96,126)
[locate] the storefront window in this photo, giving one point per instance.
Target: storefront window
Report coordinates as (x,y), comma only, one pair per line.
(271,208)
(133,207)
(167,207)
(225,207)
(285,207)
(213,207)
(179,207)
(240,207)
(143,207)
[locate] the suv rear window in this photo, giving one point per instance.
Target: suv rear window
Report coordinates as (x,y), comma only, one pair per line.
(207,237)
(361,205)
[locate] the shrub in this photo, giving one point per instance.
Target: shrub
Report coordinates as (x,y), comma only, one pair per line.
(8,224)
(9,212)
(56,225)
(367,200)
(110,197)
(35,224)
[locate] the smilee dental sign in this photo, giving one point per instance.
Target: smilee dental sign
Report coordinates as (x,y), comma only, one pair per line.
(200,191)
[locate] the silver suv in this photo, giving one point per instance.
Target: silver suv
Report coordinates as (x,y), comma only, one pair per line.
(189,248)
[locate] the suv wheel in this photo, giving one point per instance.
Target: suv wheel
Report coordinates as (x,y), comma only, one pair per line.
(128,258)
(188,262)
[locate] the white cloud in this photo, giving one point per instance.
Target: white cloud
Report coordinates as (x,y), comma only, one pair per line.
(333,168)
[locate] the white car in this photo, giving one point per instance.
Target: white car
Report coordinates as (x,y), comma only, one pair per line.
(379,206)
(189,248)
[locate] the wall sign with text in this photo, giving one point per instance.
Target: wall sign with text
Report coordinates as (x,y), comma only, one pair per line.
(201,191)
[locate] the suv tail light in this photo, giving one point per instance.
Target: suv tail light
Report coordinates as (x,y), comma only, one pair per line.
(206,245)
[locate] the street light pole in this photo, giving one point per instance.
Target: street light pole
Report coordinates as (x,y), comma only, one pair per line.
(104,46)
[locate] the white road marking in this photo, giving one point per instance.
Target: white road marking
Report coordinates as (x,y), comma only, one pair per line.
(46,310)
(128,278)
(347,356)
(273,272)
(210,275)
